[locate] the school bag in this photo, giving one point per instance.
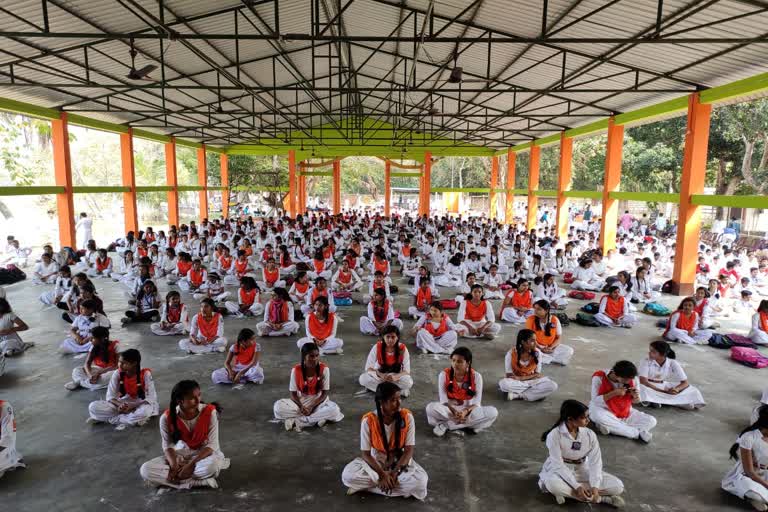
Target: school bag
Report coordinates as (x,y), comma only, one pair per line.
(581,295)
(662,324)
(586,320)
(449,304)
(568,278)
(738,340)
(667,286)
(393,288)
(505,286)
(656,309)
(563,317)
(11,274)
(591,308)
(720,341)
(749,357)
(342,295)
(342,302)
(411,280)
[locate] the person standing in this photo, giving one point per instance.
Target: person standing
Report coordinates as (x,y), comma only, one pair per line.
(83,230)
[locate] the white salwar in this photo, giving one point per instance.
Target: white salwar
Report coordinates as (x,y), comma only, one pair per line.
(366,322)
(288,328)
(480,418)
(286,409)
(700,336)
(490,332)
(627,319)
(370,380)
(81,378)
(630,427)
(254,374)
(443,344)
(529,390)
(180,327)
(667,376)
(9,458)
(106,411)
(217,345)
(740,484)
(332,345)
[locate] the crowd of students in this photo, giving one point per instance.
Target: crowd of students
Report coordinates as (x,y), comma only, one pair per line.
(282,275)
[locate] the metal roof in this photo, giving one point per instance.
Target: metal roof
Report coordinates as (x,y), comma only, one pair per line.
(262,72)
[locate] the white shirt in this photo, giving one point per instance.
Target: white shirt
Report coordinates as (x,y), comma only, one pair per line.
(373,361)
(670,371)
(389,430)
(562,445)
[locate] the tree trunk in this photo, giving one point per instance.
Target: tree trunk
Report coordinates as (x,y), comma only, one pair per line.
(5,211)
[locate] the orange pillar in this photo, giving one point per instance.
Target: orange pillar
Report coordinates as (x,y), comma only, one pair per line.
(202,181)
(292,183)
(692,182)
(172,181)
(224,164)
(302,198)
(62,166)
(427,180)
(509,212)
(494,186)
(387,187)
(533,185)
(336,186)
(564,184)
(613,153)
(129,180)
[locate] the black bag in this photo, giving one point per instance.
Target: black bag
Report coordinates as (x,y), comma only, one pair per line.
(667,287)
(720,341)
(591,308)
(11,274)
(586,320)
(298,316)
(564,320)
(609,282)
(393,289)
(411,280)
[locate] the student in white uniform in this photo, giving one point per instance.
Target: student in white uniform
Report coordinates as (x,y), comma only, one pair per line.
(79,339)
(614,310)
(684,325)
(100,363)
(460,393)
(131,398)
(248,300)
(574,467)
(174,317)
(388,361)
(242,363)
(10,459)
(190,438)
(278,316)
(664,382)
(424,297)
(522,367)
(518,303)
(492,284)
(549,334)
(381,314)
(206,331)
(548,290)
(748,478)
(310,404)
(613,393)
(642,287)
(387,440)
(435,332)
(45,271)
(476,318)
(10,325)
(759,331)
(61,286)
(584,277)
(321,325)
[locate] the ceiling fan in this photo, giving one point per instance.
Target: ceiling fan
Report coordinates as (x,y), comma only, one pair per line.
(141,73)
(457,74)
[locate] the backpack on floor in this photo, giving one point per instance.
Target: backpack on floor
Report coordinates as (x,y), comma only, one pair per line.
(11,274)
(298,316)
(581,295)
(342,295)
(749,357)
(591,308)
(656,309)
(586,320)
(411,280)
(393,288)
(568,278)
(720,341)
(738,340)
(344,301)
(564,320)
(449,304)
(662,324)
(667,286)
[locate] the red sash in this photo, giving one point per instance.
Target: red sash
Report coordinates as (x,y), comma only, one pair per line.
(102,265)
(387,360)
(240,266)
(345,277)
(208,328)
(423,298)
(196,277)
(318,329)
(461,390)
(244,357)
(380,313)
(225,262)
(247,298)
(614,308)
(131,384)
(199,435)
(377,436)
(111,354)
(475,313)
(621,406)
(309,386)
(271,276)
(440,330)
(173,314)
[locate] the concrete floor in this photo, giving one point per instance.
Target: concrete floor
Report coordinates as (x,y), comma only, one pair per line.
(75,466)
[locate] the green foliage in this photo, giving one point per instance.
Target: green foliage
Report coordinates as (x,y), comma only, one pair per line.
(461,172)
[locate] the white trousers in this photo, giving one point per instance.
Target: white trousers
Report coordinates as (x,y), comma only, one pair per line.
(268,289)
(370,381)
(254,374)
(414,313)
(529,390)
(214,346)
(286,409)
(437,345)
(70,346)
(359,476)
(561,355)
(559,301)
(700,337)
(367,327)
(759,336)
(11,344)
(256,309)
(594,285)
(219,297)
(175,330)
(447,281)
(490,332)
(513,316)
(81,378)
(480,418)
(48,298)
(494,294)
(331,345)
(107,412)
(629,427)
(288,329)
(156,470)
(627,321)
(689,396)
(557,486)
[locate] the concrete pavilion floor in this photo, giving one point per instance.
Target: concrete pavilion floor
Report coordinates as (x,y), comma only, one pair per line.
(74,466)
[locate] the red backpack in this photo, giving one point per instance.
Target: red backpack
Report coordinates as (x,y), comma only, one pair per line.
(581,295)
(568,278)
(449,304)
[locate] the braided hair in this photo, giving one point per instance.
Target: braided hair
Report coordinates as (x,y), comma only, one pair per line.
(307,349)
(385,391)
(100,350)
(469,385)
(524,335)
(543,304)
(761,423)
(395,368)
(571,409)
(180,390)
(133,356)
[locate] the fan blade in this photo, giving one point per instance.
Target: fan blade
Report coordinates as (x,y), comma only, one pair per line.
(138,74)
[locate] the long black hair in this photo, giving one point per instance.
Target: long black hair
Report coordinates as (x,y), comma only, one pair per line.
(571,409)
(384,392)
(179,391)
(395,368)
(662,347)
(469,385)
(305,350)
(524,335)
(761,423)
(101,350)
(543,304)
(133,356)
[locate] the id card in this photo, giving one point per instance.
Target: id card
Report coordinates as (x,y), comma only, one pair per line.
(576,445)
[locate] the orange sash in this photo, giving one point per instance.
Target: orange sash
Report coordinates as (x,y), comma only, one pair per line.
(461,390)
(423,298)
(247,298)
(244,357)
(131,384)
(271,276)
(520,370)
(377,436)
(321,330)
(208,328)
(475,313)
(199,435)
(614,308)
(440,330)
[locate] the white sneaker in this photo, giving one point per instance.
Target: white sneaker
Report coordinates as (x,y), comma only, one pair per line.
(645,436)
(322,423)
(289,424)
(351,491)
(560,500)
(604,430)
(71,385)
(440,430)
(423,351)
(759,505)
(614,501)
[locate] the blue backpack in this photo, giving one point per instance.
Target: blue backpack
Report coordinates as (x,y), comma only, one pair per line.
(656,309)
